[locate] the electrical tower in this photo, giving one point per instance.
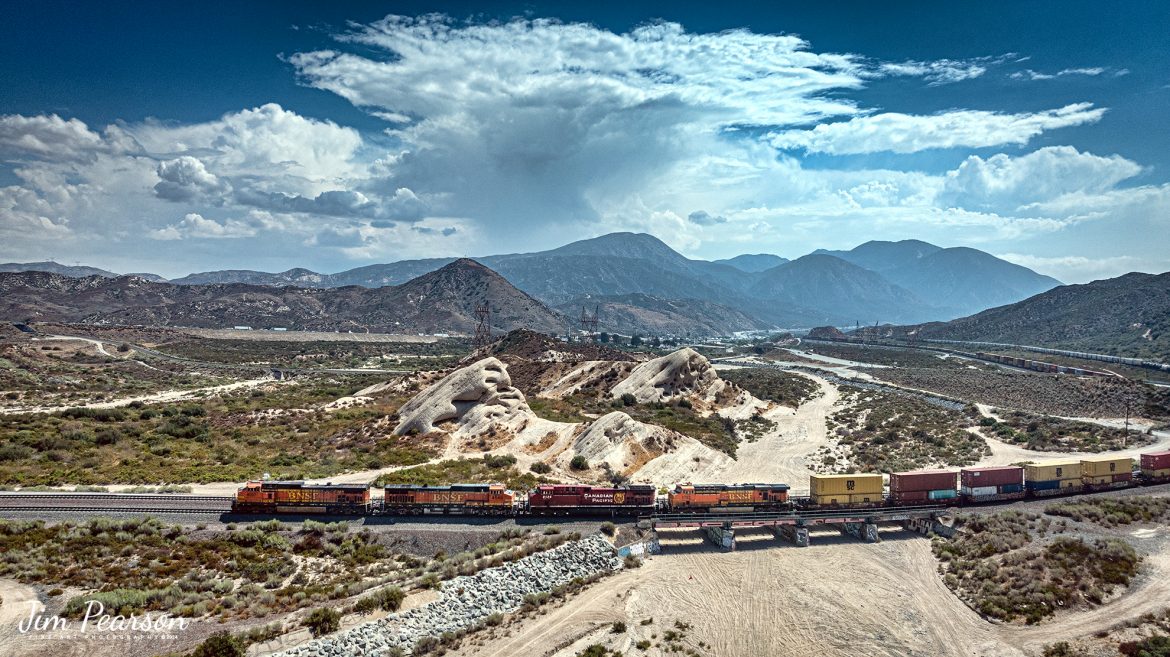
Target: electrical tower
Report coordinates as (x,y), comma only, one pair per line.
(483,327)
(589,322)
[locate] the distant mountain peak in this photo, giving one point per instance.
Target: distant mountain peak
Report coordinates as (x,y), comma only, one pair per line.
(753,262)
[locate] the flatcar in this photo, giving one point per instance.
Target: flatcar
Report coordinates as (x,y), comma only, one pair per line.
(463,499)
(299,497)
(724,497)
(549,499)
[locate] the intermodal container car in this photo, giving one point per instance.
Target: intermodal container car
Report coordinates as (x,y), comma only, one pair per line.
(556,498)
(1005,475)
(299,497)
(843,499)
(845,484)
(478,499)
(1156,466)
(921,480)
(686,497)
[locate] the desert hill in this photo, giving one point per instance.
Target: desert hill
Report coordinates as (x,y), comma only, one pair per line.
(440,301)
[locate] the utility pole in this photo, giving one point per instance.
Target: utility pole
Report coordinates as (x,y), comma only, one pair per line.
(1125,439)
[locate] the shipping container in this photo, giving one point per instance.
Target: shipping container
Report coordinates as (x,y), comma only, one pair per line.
(1051,484)
(1127,476)
(944,494)
(1102,466)
(1053,470)
(995,476)
(980,491)
(910,496)
(846,484)
(1071,485)
(924,480)
(830,500)
(1011,488)
(1097,481)
(1156,461)
(1156,475)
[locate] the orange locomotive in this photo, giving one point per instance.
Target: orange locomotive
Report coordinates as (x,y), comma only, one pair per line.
(738,497)
(476,499)
(299,497)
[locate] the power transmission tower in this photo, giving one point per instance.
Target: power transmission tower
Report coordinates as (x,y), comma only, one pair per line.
(589,322)
(483,328)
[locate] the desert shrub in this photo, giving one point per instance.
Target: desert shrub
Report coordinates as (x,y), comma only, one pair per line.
(539,467)
(322,621)
(220,644)
(579,463)
(618,627)
(608,528)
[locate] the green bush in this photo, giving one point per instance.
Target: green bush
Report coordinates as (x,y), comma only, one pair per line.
(322,621)
(579,463)
(220,644)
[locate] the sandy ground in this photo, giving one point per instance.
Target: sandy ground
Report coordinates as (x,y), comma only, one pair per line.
(15,608)
(837,597)
(307,336)
(101,348)
(164,396)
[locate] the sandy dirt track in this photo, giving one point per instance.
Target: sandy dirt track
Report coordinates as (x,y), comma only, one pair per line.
(837,597)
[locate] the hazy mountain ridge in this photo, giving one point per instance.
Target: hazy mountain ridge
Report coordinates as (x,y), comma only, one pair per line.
(901,282)
(1127,316)
(442,301)
(648,315)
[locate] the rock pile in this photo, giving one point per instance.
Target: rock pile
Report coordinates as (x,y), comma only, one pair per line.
(466,601)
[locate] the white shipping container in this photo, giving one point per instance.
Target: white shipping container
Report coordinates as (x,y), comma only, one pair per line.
(980,491)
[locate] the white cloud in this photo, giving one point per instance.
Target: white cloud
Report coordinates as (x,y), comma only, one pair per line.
(943,71)
(1003,183)
(905,133)
(1091,71)
(187,179)
(1075,269)
(195,226)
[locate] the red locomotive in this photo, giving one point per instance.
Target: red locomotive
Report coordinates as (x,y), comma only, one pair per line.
(299,497)
(554,499)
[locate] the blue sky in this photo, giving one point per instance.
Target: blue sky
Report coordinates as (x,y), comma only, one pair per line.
(174,138)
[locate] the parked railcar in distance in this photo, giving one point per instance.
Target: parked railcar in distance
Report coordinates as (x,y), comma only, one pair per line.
(299,497)
(725,497)
(463,499)
(580,499)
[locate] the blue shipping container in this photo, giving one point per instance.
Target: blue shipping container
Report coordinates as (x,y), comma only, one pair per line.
(946,494)
(1051,484)
(1011,488)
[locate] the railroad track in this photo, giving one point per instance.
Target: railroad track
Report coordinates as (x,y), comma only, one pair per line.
(115,503)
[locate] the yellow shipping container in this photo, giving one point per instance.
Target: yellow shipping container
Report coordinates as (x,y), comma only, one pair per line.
(870,498)
(1105,466)
(1096,481)
(846,484)
(1052,470)
(1072,483)
(1164,472)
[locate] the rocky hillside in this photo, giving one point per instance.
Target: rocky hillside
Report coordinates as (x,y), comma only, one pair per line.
(442,301)
(1126,316)
(645,314)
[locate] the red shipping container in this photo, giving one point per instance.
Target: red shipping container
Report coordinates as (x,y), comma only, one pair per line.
(1156,461)
(1004,475)
(923,480)
(1124,476)
(911,496)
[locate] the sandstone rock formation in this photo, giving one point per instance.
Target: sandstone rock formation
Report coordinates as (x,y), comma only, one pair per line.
(684,373)
(623,442)
(473,397)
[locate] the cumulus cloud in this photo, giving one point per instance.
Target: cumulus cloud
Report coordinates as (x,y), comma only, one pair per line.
(1004,183)
(703,218)
(905,133)
(193,225)
(187,179)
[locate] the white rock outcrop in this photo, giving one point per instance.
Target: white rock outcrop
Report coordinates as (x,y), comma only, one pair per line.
(623,442)
(683,373)
(473,397)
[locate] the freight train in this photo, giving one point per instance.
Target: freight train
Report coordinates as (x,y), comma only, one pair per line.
(864,490)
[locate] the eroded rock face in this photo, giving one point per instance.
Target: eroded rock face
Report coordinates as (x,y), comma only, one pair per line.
(683,373)
(623,442)
(473,397)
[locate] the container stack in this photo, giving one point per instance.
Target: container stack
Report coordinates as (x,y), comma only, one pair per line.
(1053,478)
(993,483)
(1156,466)
(923,486)
(846,489)
(1106,471)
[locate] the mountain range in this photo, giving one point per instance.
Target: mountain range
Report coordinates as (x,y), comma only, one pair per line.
(441,301)
(1126,316)
(642,285)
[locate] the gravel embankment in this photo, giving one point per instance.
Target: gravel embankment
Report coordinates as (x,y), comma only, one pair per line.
(466,601)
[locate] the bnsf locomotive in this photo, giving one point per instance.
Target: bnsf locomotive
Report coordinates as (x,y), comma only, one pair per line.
(927,487)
